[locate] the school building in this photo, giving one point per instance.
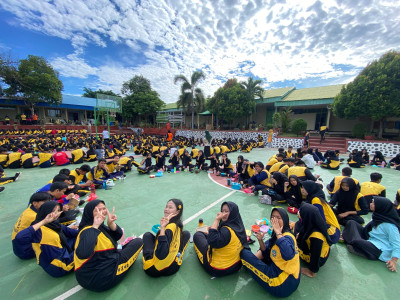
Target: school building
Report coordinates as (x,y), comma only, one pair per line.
(72,110)
(311,104)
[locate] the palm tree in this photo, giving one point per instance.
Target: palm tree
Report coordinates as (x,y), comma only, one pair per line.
(190,95)
(253,89)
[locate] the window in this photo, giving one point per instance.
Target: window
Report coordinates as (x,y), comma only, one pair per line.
(54,113)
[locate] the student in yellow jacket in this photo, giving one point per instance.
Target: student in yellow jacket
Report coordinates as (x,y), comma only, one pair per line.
(163,253)
(219,250)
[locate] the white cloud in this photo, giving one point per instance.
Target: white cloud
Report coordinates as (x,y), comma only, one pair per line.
(295,41)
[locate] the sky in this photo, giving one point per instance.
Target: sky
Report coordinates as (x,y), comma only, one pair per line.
(100,44)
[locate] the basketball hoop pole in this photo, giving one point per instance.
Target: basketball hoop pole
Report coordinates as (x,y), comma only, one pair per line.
(108,120)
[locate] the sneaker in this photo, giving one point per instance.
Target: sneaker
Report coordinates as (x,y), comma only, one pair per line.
(17,176)
(2,188)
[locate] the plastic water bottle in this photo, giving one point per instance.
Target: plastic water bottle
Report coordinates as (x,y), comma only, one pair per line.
(383,164)
(200,222)
(92,189)
(187,169)
(174,169)
(104,185)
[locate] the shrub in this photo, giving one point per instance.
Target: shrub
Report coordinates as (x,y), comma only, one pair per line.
(270,126)
(298,126)
(359,130)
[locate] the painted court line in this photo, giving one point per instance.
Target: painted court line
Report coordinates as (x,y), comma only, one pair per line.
(77,288)
(224,186)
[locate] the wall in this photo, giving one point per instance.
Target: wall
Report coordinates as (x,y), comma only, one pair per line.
(260,115)
(308,117)
(337,124)
(389,149)
(246,135)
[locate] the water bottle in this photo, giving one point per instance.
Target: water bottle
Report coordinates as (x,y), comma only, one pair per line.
(104,185)
(187,169)
(200,222)
(228,181)
(174,169)
(383,164)
(92,189)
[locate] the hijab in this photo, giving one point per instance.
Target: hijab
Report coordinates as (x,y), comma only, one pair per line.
(384,213)
(314,190)
(379,155)
(296,190)
(44,210)
(346,200)
(310,222)
(286,228)
(280,178)
(234,222)
(239,165)
(88,218)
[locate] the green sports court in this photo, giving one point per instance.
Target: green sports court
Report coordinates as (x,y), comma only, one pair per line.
(139,202)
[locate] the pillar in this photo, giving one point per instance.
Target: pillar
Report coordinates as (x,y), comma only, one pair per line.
(328,118)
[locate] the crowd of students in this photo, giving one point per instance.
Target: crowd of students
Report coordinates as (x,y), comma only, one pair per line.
(47,230)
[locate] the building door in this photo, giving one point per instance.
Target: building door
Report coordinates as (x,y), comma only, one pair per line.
(73,116)
(320,119)
(268,116)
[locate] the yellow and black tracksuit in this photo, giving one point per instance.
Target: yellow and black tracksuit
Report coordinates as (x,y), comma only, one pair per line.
(3,160)
(90,155)
(98,264)
(125,163)
(219,251)
(331,163)
(334,185)
(276,167)
(329,217)
(370,189)
(22,248)
(260,181)
(270,163)
(77,156)
(45,160)
(97,175)
(162,255)
(194,153)
(281,275)
(316,252)
(27,161)
(302,173)
(55,259)
(14,160)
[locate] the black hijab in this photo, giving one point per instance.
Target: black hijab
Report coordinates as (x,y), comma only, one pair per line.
(379,155)
(310,222)
(234,222)
(239,165)
(384,213)
(272,240)
(314,190)
(346,200)
(280,178)
(88,218)
(46,209)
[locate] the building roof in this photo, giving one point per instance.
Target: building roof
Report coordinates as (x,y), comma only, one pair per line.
(277,92)
(170,106)
(322,92)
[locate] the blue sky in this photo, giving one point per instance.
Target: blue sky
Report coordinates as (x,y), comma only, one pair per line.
(102,43)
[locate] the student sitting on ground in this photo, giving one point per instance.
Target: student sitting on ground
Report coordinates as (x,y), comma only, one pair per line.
(5,180)
(373,188)
(355,159)
(395,162)
(187,161)
(278,258)
(163,253)
(378,159)
(78,177)
(45,158)
(99,265)
(174,162)
(90,155)
(260,180)
(201,161)
(350,202)
(292,192)
(277,181)
(214,163)
(313,239)
(52,242)
(301,171)
(125,163)
(315,196)
(219,250)
(61,158)
(225,166)
(27,160)
(160,161)
(99,173)
(380,238)
(14,159)
(332,161)
(22,248)
(114,169)
(247,172)
(365,156)
(77,155)
(308,158)
(334,185)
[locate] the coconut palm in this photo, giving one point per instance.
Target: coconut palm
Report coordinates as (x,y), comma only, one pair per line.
(253,89)
(190,95)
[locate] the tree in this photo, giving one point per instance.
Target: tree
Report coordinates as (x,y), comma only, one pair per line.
(253,89)
(374,93)
(285,119)
(140,99)
(33,80)
(89,93)
(189,92)
(231,102)
(299,126)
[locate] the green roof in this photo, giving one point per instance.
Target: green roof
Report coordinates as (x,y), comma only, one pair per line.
(322,92)
(170,106)
(277,92)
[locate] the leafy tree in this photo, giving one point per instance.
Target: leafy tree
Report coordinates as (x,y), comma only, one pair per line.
(359,130)
(190,95)
(89,93)
(276,118)
(374,93)
(253,89)
(140,99)
(231,102)
(299,126)
(33,80)
(285,119)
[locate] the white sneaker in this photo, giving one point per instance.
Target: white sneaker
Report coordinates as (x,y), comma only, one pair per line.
(17,176)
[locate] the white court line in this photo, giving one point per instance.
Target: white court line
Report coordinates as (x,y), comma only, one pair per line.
(77,288)
(224,186)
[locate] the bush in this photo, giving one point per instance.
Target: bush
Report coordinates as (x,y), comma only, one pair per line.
(298,126)
(359,130)
(270,126)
